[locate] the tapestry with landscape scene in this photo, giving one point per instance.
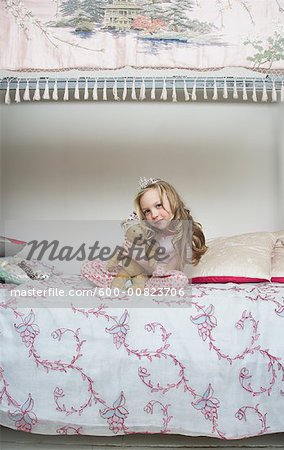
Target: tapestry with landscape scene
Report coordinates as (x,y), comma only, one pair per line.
(60,35)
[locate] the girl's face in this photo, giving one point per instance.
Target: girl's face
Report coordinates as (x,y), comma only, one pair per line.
(154,211)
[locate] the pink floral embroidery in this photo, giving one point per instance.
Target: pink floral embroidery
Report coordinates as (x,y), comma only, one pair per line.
(208,404)
(119,330)
(149,409)
(280,311)
(205,321)
(28,329)
(27,326)
(4,391)
(242,414)
(116,415)
(23,417)
(180,371)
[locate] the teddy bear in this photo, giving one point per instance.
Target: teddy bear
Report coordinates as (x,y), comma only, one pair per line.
(132,270)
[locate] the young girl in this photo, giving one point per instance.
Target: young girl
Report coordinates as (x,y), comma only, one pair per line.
(166,219)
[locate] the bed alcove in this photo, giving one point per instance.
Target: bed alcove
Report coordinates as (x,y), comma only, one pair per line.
(63,162)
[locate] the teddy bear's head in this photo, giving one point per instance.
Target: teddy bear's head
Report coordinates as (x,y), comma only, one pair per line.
(133,229)
(136,233)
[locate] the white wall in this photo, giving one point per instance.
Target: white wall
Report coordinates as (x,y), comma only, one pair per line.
(82,160)
(1,166)
(280,161)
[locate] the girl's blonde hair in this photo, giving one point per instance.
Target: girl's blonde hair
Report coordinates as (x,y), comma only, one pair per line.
(184,228)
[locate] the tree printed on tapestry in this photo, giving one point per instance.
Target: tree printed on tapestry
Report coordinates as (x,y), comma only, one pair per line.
(82,15)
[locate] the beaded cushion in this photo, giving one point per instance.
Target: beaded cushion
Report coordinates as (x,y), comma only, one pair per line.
(31,272)
(243,258)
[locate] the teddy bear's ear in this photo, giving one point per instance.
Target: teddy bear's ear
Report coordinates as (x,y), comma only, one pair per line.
(132,219)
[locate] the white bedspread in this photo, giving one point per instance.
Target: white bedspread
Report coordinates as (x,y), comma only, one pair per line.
(212,368)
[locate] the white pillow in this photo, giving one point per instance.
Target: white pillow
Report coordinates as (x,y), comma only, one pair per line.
(277,269)
(244,258)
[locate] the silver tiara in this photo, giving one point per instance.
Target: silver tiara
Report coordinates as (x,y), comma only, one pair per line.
(145,182)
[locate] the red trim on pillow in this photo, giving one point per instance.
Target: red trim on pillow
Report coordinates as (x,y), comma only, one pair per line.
(15,241)
(220,279)
(278,279)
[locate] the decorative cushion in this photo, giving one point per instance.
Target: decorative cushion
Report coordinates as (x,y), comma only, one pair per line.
(37,265)
(277,269)
(11,273)
(10,247)
(33,274)
(243,258)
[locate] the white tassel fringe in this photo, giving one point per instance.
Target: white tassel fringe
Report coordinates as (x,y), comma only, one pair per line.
(105,91)
(26,95)
(7,95)
(36,96)
(95,91)
(164,93)
(55,91)
(282,92)
(215,91)
(66,92)
(245,95)
(254,96)
(17,94)
(193,92)
(186,94)
(77,93)
(142,94)
(235,90)
(274,93)
(133,90)
(225,89)
(264,97)
(205,96)
(174,94)
(114,91)
(124,93)
(86,90)
(46,91)
(153,90)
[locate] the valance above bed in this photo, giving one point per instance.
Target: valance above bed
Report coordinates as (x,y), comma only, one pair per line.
(183,45)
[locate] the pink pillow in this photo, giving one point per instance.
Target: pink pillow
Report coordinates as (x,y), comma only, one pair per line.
(10,247)
(277,269)
(244,258)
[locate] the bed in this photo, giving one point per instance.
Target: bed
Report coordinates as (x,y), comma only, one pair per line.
(208,362)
